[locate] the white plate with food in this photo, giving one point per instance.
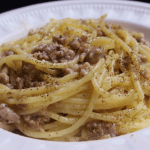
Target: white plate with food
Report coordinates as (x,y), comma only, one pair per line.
(73,77)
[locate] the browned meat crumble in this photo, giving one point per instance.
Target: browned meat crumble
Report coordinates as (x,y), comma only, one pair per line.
(25,78)
(8,115)
(53,52)
(35,121)
(7,53)
(96,130)
(56,53)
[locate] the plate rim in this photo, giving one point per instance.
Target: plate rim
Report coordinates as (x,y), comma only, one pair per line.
(143,4)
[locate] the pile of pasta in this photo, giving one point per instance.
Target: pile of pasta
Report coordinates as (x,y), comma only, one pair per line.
(115,90)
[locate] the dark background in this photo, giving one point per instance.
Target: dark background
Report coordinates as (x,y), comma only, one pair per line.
(13,4)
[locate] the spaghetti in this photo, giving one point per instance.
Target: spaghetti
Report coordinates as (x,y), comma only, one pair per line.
(75,80)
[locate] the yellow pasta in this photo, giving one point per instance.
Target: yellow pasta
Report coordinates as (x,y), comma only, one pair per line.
(75,80)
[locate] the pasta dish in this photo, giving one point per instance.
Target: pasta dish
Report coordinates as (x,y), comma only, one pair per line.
(75,80)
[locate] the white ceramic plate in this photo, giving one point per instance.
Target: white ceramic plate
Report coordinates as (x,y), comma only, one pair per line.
(16,23)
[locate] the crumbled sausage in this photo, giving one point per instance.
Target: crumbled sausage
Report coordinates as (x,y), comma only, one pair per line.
(27,68)
(95,54)
(4,78)
(84,48)
(126,61)
(83,38)
(34,121)
(53,52)
(96,130)
(20,82)
(92,55)
(27,77)
(60,39)
(12,78)
(5,70)
(75,44)
(41,56)
(30,78)
(7,53)
(7,114)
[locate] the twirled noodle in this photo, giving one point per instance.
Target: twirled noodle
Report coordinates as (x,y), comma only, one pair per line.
(75,80)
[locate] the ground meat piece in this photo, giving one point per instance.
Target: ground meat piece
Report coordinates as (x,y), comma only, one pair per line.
(41,56)
(8,115)
(47,48)
(20,83)
(39,48)
(12,78)
(27,77)
(29,74)
(91,54)
(143,73)
(75,44)
(84,69)
(60,39)
(84,48)
(34,121)
(5,70)
(62,56)
(96,129)
(95,54)
(126,61)
(83,38)
(4,78)
(54,52)
(27,68)
(7,53)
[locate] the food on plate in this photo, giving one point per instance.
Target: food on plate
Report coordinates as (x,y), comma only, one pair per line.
(75,80)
